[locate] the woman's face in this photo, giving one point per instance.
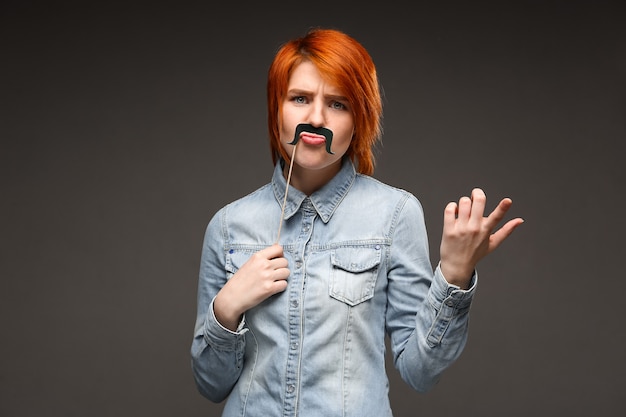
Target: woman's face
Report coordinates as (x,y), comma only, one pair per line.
(312,100)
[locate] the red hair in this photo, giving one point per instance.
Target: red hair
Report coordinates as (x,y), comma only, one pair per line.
(344,62)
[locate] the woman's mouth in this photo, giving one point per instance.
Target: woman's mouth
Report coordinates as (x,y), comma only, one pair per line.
(312,139)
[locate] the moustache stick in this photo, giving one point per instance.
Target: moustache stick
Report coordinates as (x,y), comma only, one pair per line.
(282,210)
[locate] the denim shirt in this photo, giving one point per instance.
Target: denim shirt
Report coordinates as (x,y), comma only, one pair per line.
(360,269)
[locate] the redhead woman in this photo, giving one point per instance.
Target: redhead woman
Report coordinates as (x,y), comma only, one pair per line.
(301,280)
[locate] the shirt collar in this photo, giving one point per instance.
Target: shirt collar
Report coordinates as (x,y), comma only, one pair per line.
(325,200)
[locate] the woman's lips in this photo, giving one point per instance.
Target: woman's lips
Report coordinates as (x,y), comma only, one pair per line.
(312,139)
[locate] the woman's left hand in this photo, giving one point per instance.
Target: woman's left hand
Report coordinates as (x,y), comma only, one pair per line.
(468,236)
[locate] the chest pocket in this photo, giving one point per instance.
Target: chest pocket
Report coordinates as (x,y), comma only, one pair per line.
(353,273)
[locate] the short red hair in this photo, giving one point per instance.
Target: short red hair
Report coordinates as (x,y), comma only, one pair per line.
(344,62)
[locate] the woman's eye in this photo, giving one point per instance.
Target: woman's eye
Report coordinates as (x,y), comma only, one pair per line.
(337,105)
(299,100)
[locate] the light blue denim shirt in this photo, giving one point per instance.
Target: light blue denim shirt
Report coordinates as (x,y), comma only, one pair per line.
(359,261)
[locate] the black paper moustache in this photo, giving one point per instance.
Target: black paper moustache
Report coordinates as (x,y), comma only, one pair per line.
(305,127)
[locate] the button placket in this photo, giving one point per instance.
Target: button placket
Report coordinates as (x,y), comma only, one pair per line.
(295,309)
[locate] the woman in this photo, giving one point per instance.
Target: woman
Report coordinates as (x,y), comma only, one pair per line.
(301,280)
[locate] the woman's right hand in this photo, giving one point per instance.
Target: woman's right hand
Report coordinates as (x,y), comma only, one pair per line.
(262,276)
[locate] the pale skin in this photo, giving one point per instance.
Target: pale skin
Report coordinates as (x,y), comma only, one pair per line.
(468,236)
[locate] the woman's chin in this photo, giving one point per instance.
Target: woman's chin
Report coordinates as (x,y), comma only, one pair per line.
(317,163)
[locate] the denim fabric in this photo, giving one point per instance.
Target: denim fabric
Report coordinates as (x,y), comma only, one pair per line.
(359,260)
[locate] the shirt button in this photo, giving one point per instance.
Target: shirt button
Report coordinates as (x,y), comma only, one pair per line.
(298,264)
(294,303)
(291,388)
(450,303)
(294,345)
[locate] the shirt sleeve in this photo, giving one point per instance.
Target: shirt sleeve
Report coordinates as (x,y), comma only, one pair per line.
(427,318)
(216,352)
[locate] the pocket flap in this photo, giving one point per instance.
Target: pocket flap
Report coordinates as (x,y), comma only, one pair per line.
(235,259)
(356,259)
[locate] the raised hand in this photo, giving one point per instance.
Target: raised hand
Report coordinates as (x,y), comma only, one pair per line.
(262,276)
(468,236)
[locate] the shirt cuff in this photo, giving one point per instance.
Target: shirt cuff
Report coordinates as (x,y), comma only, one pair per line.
(450,295)
(218,335)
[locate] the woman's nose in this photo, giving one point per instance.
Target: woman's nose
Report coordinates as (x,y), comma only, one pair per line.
(316,116)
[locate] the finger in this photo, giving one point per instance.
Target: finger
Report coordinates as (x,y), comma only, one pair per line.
(449,215)
(271,252)
(499,212)
(281,274)
(479,200)
(465,208)
(278,263)
(278,286)
(505,231)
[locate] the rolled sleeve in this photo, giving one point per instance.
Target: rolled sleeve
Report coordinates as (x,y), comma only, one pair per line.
(219,336)
(450,303)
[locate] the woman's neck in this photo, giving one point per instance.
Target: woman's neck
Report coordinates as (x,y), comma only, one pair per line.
(310,180)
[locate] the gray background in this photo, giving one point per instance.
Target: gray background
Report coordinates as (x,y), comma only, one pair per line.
(124,128)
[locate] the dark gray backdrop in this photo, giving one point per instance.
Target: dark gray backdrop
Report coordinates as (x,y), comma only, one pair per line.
(124,128)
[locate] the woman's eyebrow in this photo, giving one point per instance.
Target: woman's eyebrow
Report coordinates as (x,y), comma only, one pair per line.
(336,97)
(302,91)
(298,91)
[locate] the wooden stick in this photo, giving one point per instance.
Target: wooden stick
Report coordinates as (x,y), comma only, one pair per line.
(282,211)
